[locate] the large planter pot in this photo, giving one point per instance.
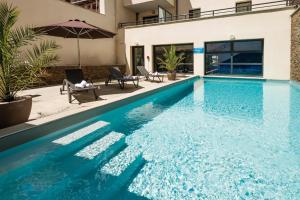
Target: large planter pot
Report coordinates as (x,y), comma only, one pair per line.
(172,76)
(16,112)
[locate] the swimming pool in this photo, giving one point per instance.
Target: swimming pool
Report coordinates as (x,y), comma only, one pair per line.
(204,139)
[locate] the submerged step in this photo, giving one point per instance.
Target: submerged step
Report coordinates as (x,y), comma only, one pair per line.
(108,180)
(80,133)
(118,164)
(100,145)
(59,152)
(86,161)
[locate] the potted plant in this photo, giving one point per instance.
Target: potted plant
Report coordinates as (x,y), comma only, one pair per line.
(170,61)
(22,60)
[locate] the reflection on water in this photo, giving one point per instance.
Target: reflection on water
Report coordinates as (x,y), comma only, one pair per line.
(294,120)
(243,99)
(229,139)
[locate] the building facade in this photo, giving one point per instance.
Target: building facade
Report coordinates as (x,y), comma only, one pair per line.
(216,38)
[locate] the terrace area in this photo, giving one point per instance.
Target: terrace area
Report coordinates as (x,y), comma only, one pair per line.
(48,104)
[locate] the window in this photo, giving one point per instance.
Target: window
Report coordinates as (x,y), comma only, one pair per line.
(243,57)
(219,47)
(195,13)
(243,6)
(94,5)
(187,65)
(164,15)
(101,7)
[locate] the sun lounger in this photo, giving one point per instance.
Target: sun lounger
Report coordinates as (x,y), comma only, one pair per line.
(75,83)
(149,75)
(116,74)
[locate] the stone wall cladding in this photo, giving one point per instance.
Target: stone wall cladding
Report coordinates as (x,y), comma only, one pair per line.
(295,46)
(56,74)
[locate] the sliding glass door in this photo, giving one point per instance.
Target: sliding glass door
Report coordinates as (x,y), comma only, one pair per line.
(137,58)
(241,57)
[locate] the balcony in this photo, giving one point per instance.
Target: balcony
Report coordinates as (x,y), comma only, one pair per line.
(145,5)
(92,5)
(215,13)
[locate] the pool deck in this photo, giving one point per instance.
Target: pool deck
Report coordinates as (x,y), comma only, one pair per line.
(49,105)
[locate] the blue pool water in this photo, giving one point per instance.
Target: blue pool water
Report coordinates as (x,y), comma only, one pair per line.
(204,139)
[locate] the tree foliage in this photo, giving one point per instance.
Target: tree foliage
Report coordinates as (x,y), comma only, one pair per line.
(23,55)
(170,60)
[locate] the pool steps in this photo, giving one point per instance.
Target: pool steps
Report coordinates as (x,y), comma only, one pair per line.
(61,151)
(77,166)
(119,163)
(94,151)
(98,147)
(117,173)
(72,137)
(121,170)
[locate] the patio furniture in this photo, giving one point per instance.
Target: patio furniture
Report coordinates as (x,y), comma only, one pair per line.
(116,74)
(149,75)
(73,78)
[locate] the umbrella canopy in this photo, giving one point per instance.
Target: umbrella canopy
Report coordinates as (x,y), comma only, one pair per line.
(75,29)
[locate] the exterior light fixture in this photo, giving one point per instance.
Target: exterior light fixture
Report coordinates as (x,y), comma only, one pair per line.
(232,37)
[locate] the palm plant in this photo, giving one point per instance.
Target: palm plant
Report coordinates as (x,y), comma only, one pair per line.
(22,59)
(170,60)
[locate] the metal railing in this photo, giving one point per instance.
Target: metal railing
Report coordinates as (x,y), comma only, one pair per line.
(217,12)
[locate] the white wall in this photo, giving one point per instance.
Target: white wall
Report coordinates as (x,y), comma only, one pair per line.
(273,27)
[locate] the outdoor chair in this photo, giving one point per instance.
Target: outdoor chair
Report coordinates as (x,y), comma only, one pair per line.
(73,77)
(116,74)
(149,75)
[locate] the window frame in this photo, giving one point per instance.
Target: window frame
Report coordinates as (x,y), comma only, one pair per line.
(232,51)
(174,44)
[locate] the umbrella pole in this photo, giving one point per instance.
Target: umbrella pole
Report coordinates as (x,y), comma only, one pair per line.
(78,48)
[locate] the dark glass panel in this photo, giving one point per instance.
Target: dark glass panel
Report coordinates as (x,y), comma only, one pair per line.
(215,59)
(247,57)
(249,69)
(137,58)
(218,47)
(220,69)
(168,16)
(248,45)
(218,63)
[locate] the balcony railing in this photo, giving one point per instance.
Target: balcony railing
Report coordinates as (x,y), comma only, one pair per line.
(217,12)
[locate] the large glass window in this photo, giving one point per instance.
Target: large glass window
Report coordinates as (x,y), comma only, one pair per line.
(187,65)
(243,57)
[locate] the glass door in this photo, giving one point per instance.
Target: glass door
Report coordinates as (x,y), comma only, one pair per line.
(137,58)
